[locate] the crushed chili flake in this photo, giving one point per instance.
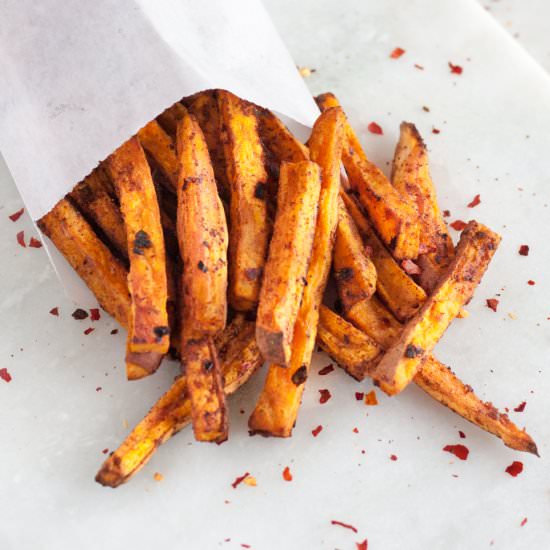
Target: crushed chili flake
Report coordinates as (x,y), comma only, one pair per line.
(326,370)
(359,395)
(287,476)
(426,109)
(370,398)
(492,303)
(524,250)
(458,225)
(375,128)
(244,545)
(515,468)
(530,282)
(397,53)
(393,457)
(474,202)
(455,69)
(362,545)
(521,407)
(305,72)
(317,430)
(114,331)
(410,267)
(419,67)
(79,314)
(157,476)
(105,451)
(460,451)
(446,213)
(88,330)
(16,215)
(35,243)
(344,525)
(523,522)
(325,396)
(461,434)
(250,481)
(99,388)
(5,375)
(436,131)
(355,431)
(21,238)
(239,480)
(54,311)
(94,314)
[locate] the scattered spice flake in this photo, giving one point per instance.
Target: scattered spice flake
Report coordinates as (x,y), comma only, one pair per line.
(94,314)
(515,468)
(344,525)
(393,457)
(317,430)
(54,311)
(446,213)
(355,431)
(523,522)
(250,481)
(359,395)
(410,267)
(16,215)
(35,243)
(460,451)
(436,131)
(524,250)
(244,545)
(530,282)
(114,331)
(397,53)
(5,375)
(455,69)
(463,314)
(419,67)
(492,303)
(475,201)
(370,398)
(512,316)
(325,396)
(21,238)
(362,545)
(105,451)
(521,407)
(326,370)
(287,476)
(157,476)
(375,128)
(425,109)
(458,225)
(461,434)
(79,314)
(239,480)
(305,72)
(88,330)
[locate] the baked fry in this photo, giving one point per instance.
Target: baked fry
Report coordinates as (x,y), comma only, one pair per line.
(394,220)
(411,177)
(277,406)
(289,254)
(474,252)
(170,117)
(247,177)
(148,331)
(239,357)
(102,272)
(350,262)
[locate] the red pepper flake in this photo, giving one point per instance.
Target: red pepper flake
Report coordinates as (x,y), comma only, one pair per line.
(114,331)
(458,225)
(492,303)
(375,129)
(362,545)
(317,430)
(88,330)
(35,243)
(446,213)
(397,53)
(436,131)
(410,267)
(21,238)
(460,451)
(393,457)
(355,431)
(370,398)
(359,395)
(524,250)
(419,67)
(530,282)
(5,375)
(239,480)
(79,314)
(325,396)
(287,476)
(475,201)
(455,69)
(461,434)
(515,468)
(523,522)
(244,545)
(16,215)
(105,451)
(521,407)
(344,525)
(326,370)
(94,314)
(99,388)
(54,311)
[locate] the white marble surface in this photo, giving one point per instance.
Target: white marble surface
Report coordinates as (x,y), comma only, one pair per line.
(493,141)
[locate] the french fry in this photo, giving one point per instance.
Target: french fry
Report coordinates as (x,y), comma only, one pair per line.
(350,263)
(288,260)
(356,353)
(396,289)
(247,177)
(161,148)
(93,199)
(102,272)
(148,331)
(474,252)
(240,358)
(394,220)
(277,407)
(170,117)
(411,177)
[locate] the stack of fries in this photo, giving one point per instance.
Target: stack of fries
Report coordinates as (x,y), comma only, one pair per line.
(210,236)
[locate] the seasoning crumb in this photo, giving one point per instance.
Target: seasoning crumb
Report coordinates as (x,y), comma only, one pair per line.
(375,128)
(239,480)
(523,522)
(99,388)
(359,395)
(460,451)
(436,131)
(512,316)
(521,407)
(523,250)
(393,457)
(125,423)
(474,202)
(94,314)
(250,481)
(326,370)
(530,282)
(79,314)
(461,434)
(325,396)
(16,215)
(21,239)
(455,69)
(397,53)
(419,67)
(363,545)
(287,476)
(458,225)
(114,331)
(316,431)
(425,109)
(157,476)
(35,243)
(370,398)
(54,311)
(306,72)
(515,468)
(5,375)
(344,525)
(88,331)
(492,303)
